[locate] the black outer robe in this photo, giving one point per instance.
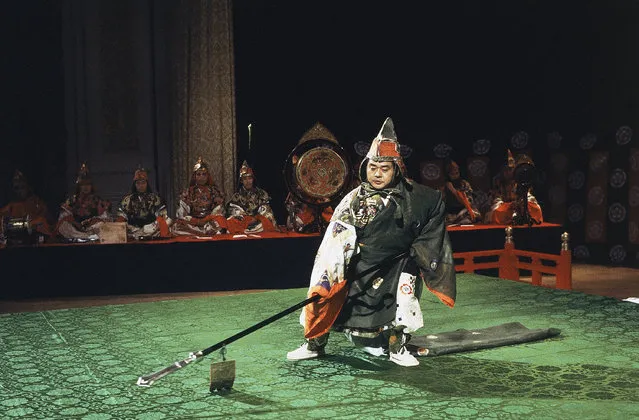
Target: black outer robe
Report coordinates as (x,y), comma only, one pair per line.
(418,230)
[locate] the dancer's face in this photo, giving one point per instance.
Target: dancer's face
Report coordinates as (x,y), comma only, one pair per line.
(380,174)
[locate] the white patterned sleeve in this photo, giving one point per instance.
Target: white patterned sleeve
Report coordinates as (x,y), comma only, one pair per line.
(337,247)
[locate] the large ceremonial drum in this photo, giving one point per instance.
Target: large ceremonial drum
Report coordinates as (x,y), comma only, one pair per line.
(318,172)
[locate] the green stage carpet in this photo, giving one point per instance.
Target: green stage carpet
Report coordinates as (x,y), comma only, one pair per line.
(84,363)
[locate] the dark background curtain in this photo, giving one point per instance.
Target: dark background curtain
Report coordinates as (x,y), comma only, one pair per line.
(174,79)
(149,83)
(32,114)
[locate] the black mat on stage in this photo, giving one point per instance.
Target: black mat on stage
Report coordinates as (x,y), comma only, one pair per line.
(482,338)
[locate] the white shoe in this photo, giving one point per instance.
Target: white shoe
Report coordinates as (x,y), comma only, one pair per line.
(375,351)
(403,358)
(303,353)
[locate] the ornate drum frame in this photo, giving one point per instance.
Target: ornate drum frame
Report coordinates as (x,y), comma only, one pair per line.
(318,172)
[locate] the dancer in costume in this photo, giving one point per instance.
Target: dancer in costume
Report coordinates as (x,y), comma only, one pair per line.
(83,213)
(513,201)
(249,210)
(143,210)
(458,196)
(27,206)
(201,208)
(385,237)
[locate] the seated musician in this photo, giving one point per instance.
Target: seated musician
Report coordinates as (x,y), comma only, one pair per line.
(458,198)
(143,210)
(27,207)
(513,201)
(249,210)
(302,218)
(82,214)
(201,208)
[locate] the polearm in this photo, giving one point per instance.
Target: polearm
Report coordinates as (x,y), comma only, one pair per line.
(147,380)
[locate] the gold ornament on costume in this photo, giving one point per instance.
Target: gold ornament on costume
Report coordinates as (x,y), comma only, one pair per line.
(83,175)
(140,174)
(510,159)
(246,170)
(200,164)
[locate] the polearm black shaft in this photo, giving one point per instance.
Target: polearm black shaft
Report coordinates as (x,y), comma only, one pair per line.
(147,380)
(285,312)
(259,325)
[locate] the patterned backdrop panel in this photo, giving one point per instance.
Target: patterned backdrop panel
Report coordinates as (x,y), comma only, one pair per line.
(617,244)
(478,173)
(632,179)
(596,207)
(432,173)
(480,178)
(557,186)
(589,183)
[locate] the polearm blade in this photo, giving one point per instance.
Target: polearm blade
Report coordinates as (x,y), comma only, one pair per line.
(147,380)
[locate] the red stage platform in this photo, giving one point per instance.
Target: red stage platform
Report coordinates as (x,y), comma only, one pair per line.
(458,228)
(220,263)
